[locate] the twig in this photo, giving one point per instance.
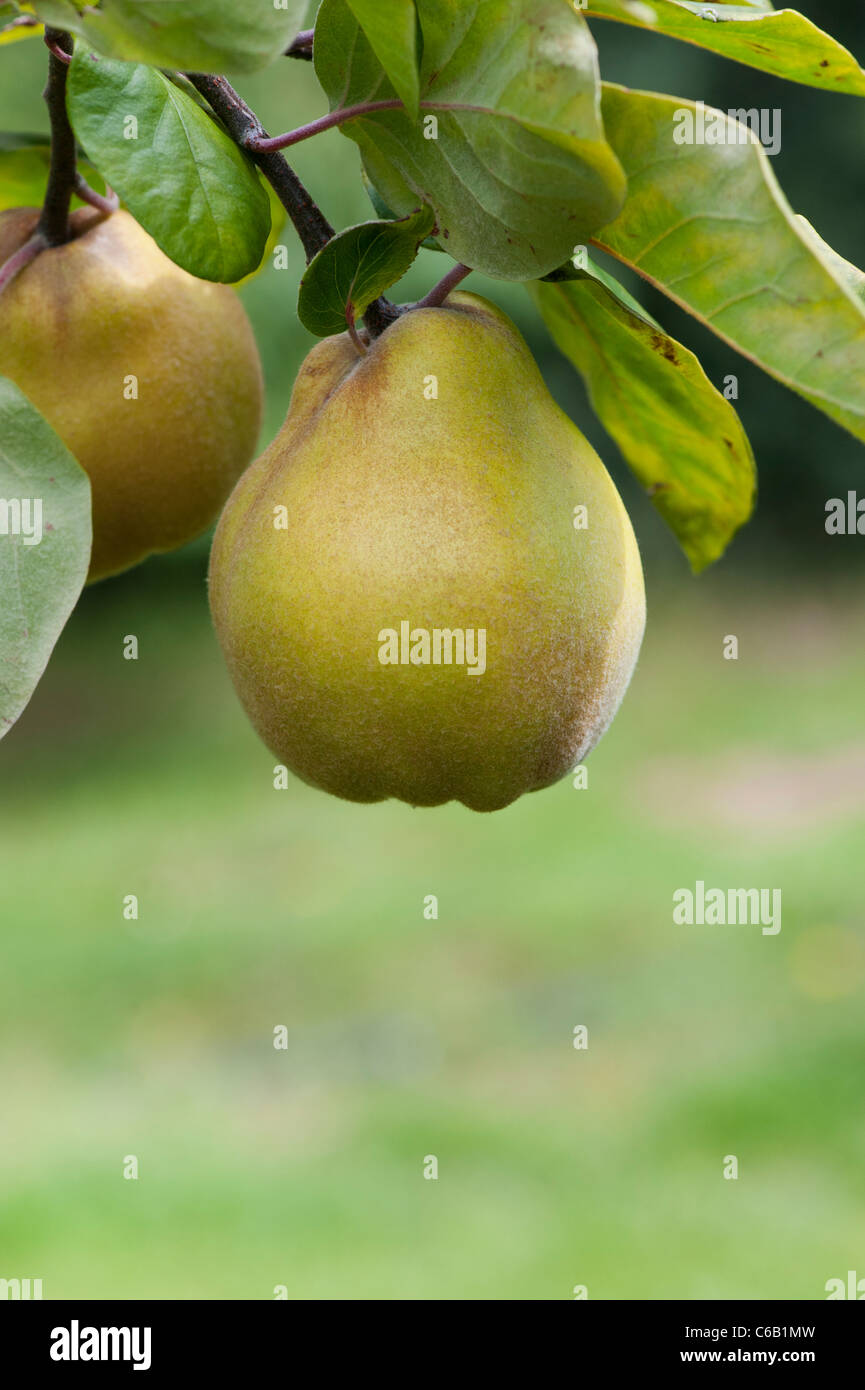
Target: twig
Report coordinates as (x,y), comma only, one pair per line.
(54,221)
(244,127)
(380,315)
(23,256)
(310,223)
(301,47)
(439,293)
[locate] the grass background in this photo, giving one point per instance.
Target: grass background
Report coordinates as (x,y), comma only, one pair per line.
(406,1037)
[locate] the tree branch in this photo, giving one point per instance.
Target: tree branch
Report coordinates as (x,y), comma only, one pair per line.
(54,222)
(380,315)
(309,221)
(245,128)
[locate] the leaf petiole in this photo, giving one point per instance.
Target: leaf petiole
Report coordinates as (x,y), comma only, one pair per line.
(439,293)
(260,144)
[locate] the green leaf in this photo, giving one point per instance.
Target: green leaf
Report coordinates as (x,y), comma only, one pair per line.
(571,271)
(45,537)
(355,267)
(519,172)
(278,218)
(15,35)
(844,271)
(178,172)
(24,163)
(392,35)
(709,225)
(622,9)
(200,35)
(61,14)
(387,214)
(677,433)
(782,42)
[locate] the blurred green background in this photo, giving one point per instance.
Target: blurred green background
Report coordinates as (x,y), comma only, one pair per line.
(303,1167)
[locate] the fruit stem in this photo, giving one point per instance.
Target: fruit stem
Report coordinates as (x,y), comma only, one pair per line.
(380,315)
(53,224)
(439,293)
(23,256)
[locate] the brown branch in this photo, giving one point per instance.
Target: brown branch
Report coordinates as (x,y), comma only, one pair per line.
(380,315)
(244,127)
(309,221)
(53,224)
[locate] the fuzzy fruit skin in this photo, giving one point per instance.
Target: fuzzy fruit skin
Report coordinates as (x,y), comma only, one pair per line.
(107,305)
(450,513)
